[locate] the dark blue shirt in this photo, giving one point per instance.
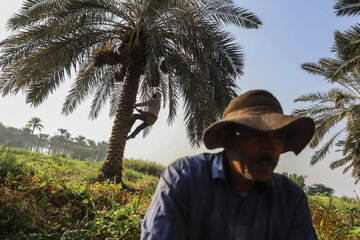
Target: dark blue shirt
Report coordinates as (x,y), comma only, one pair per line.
(194,201)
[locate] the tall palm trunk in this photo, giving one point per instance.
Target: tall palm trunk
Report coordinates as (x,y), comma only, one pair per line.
(112,168)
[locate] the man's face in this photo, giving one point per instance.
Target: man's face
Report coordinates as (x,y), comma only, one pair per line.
(254,154)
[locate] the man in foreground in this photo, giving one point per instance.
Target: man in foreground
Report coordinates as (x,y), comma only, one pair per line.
(234,194)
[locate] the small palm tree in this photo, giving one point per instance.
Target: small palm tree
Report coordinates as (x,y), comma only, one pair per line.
(336,111)
(80,140)
(177,47)
(65,138)
(43,142)
(34,123)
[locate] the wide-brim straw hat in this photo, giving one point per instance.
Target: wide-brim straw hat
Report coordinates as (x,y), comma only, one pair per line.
(260,110)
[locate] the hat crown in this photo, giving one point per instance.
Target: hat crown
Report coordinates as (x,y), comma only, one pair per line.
(254,102)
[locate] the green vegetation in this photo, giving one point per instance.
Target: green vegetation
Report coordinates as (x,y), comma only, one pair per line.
(62,143)
(298,179)
(335,218)
(54,197)
(319,189)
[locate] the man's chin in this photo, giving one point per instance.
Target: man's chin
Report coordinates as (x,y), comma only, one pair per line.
(262,177)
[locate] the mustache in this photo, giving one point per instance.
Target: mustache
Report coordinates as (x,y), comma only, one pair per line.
(266,158)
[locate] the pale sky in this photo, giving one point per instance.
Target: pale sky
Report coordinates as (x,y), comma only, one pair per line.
(294,32)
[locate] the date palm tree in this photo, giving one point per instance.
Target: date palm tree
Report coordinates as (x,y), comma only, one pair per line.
(118,48)
(349,50)
(336,114)
(34,123)
(65,137)
(43,142)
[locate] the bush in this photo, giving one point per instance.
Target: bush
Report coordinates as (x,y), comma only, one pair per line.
(334,223)
(130,175)
(149,168)
(9,167)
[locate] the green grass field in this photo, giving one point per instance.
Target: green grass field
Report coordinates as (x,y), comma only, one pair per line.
(52,197)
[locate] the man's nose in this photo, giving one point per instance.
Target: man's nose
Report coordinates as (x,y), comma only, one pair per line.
(269,143)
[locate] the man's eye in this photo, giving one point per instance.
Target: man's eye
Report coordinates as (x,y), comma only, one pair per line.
(257,135)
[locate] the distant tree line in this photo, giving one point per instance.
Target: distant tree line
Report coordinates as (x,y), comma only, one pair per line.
(61,143)
(312,190)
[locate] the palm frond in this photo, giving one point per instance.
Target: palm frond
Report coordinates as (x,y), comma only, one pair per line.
(316,110)
(341,162)
(173,99)
(356,173)
(227,13)
(85,84)
(229,56)
(347,44)
(346,67)
(320,154)
(314,68)
(115,97)
(321,97)
(103,91)
(347,7)
(322,127)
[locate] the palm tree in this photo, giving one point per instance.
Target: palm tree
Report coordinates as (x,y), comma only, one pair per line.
(99,153)
(34,123)
(349,49)
(43,142)
(298,179)
(177,47)
(80,140)
(26,134)
(340,106)
(65,137)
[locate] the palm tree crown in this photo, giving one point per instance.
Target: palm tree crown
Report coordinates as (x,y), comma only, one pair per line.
(336,114)
(177,47)
(34,123)
(346,46)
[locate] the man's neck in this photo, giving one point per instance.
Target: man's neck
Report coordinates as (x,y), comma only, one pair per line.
(239,182)
(236,180)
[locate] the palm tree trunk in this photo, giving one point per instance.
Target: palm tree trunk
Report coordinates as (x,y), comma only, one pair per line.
(112,167)
(32,138)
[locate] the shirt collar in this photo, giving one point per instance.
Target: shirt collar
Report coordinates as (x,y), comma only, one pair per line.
(217,167)
(218,172)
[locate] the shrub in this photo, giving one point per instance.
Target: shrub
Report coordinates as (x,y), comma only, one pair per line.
(9,167)
(145,167)
(334,223)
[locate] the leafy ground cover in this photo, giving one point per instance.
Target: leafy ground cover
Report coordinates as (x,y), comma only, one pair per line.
(53,197)
(335,218)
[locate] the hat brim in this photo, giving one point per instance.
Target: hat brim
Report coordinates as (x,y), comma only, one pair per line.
(299,130)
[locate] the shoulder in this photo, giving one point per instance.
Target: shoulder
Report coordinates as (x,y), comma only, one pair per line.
(183,173)
(286,186)
(193,162)
(192,165)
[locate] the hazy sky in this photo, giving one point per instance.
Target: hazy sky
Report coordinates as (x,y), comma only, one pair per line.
(294,32)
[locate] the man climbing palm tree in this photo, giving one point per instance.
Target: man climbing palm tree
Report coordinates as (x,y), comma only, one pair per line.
(148,117)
